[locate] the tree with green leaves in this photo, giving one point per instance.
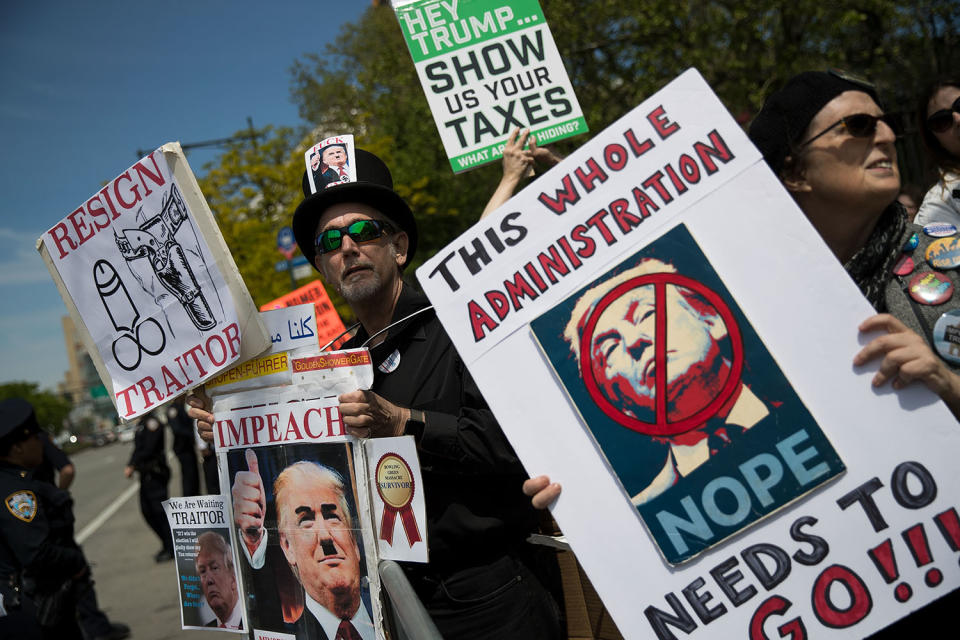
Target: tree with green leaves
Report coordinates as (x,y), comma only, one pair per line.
(253,189)
(616,52)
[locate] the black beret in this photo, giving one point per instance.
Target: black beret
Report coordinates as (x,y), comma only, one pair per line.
(787,113)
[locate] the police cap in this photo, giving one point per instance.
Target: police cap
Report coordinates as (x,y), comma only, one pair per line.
(17,419)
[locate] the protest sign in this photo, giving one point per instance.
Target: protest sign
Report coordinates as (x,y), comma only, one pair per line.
(329,325)
(291,328)
(206,570)
(150,284)
(297,492)
(658,328)
(488,67)
(292,332)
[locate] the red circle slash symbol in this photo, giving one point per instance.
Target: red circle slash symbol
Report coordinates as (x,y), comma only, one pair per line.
(662,425)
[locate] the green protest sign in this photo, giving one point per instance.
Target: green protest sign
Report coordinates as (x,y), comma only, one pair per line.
(488,68)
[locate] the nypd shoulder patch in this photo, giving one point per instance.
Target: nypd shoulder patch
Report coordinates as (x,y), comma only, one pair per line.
(22,504)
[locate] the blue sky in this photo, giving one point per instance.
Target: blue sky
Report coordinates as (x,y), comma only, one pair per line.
(84,85)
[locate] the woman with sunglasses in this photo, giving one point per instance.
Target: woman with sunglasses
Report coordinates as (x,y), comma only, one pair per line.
(830,143)
(939,115)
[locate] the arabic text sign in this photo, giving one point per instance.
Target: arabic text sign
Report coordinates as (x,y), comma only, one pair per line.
(291,327)
(146,286)
(834,560)
(488,67)
(329,325)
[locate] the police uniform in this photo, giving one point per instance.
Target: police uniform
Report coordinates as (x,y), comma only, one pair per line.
(94,622)
(184,447)
(41,567)
(149,460)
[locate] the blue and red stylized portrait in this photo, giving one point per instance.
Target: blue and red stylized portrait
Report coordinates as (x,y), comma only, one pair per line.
(677,389)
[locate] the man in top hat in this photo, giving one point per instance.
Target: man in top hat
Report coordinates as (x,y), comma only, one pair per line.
(39,559)
(361,236)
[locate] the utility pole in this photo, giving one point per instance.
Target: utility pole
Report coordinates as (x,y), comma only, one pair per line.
(218,142)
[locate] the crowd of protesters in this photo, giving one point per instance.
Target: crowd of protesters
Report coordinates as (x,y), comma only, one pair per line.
(826,137)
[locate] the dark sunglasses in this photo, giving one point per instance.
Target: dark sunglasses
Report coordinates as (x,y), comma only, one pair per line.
(360,231)
(940,121)
(859,125)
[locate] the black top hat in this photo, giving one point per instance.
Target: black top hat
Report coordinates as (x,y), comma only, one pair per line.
(373,187)
(16,415)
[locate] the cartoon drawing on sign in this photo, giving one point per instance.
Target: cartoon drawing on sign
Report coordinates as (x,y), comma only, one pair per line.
(681,389)
(137,337)
(166,260)
(683,398)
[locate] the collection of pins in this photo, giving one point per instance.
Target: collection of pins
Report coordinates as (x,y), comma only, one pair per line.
(934,287)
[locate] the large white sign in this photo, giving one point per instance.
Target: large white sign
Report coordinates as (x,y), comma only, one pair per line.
(144,271)
(657,301)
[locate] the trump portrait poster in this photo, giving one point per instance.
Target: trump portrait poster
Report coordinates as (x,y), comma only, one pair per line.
(300,520)
(206,563)
(674,415)
(659,329)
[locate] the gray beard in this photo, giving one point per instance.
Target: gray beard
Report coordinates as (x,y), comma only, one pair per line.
(367,287)
(363,289)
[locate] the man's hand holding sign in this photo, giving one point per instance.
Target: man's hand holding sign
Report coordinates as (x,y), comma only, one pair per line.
(361,235)
(367,415)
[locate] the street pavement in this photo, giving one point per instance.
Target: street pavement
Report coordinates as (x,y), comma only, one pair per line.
(131,587)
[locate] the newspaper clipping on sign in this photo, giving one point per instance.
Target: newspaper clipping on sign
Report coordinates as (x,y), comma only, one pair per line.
(659,329)
(206,571)
(293,334)
(300,517)
(151,285)
(488,67)
(329,162)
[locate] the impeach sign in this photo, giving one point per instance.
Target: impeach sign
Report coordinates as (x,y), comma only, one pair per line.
(488,67)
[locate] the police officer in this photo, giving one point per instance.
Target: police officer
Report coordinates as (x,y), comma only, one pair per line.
(58,470)
(184,447)
(42,569)
(149,459)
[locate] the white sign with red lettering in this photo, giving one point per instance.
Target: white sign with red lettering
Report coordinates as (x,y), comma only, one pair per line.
(659,329)
(140,266)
